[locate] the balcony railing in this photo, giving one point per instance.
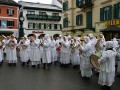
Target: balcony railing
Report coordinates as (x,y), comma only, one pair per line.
(43,17)
(85,4)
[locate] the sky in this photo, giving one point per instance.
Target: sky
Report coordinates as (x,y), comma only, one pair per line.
(41,1)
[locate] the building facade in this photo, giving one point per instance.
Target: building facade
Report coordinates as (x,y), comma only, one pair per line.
(81,17)
(41,18)
(9,17)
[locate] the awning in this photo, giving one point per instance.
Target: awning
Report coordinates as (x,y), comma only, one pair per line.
(111,28)
(6,32)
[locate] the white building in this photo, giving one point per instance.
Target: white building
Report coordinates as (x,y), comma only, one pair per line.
(41,18)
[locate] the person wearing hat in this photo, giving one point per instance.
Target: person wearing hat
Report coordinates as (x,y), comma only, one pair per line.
(46,52)
(11,54)
(24,51)
(107,66)
(34,51)
(65,52)
(85,65)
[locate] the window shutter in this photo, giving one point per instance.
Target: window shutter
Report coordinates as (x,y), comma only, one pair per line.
(7,23)
(101,14)
(60,26)
(77,3)
(13,12)
(28,25)
(39,25)
(77,21)
(110,13)
(33,25)
(116,11)
(50,26)
(13,23)
(7,11)
(81,19)
(44,25)
(63,6)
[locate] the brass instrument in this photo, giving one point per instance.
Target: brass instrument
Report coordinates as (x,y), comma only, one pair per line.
(73,46)
(12,42)
(22,42)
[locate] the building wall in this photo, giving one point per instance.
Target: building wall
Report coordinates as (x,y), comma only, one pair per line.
(40,31)
(96,23)
(5,17)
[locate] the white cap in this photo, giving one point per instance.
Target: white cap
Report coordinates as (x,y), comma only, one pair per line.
(109,44)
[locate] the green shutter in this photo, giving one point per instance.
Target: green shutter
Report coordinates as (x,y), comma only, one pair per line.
(44,25)
(63,6)
(39,25)
(116,11)
(81,19)
(77,3)
(77,20)
(33,25)
(28,25)
(110,13)
(50,26)
(101,14)
(89,19)
(66,5)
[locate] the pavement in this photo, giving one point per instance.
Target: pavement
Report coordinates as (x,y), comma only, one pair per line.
(56,78)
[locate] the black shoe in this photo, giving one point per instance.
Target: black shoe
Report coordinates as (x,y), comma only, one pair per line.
(33,66)
(10,64)
(14,64)
(23,64)
(38,66)
(44,65)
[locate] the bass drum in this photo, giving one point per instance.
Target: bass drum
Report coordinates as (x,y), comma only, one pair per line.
(94,60)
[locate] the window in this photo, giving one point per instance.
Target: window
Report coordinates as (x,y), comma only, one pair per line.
(79,19)
(10,11)
(117,11)
(10,23)
(30,25)
(48,26)
(52,26)
(42,13)
(30,12)
(36,25)
(55,26)
(59,26)
(65,6)
(42,25)
(106,13)
(55,14)
(65,22)
(89,19)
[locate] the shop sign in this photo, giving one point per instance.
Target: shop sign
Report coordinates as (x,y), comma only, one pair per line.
(112,22)
(37,32)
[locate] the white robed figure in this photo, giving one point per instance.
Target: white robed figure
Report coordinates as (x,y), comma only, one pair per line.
(46,51)
(86,52)
(53,50)
(11,50)
(34,51)
(24,50)
(75,57)
(1,53)
(107,66)
(65,51)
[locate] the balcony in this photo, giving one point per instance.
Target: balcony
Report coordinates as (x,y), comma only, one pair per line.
(42,17)
(85,4)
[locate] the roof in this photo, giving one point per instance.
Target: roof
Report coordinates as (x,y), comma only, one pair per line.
(28,5)
(111,28)
(9,2)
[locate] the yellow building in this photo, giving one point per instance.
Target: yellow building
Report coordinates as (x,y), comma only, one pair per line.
(81,17)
